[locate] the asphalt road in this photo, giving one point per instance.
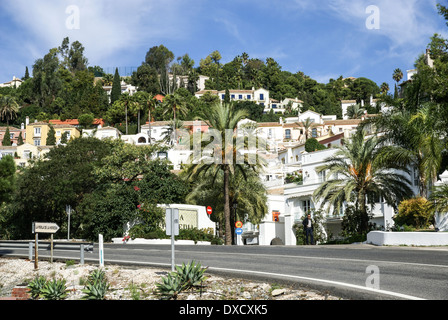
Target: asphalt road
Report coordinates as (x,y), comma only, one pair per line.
(351,271)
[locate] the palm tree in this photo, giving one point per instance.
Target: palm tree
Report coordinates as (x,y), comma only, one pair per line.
(175,103)
(361,172)
(247,191)
(397,76)
(169,133)
(149,100)
(223,120)
(308,124)
(129,102)
(355,111)
(8,108)
(384,88)
(415,142)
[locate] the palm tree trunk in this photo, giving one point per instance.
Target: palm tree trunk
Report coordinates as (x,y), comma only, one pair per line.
(126,111)
(149,117)
(227,206)
(174,127)
(363,211)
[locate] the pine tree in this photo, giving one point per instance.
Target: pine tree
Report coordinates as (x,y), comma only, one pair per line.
(51,137)
(116,88)
(27,74)
(20,139)
(6,138)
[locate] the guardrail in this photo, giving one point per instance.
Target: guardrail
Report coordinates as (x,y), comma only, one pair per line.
(46,245)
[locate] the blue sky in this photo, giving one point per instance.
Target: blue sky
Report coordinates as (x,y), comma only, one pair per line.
(322,38)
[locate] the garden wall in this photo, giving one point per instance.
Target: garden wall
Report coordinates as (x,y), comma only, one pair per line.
(381,238)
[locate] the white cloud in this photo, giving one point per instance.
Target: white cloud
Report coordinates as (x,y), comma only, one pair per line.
(105,27)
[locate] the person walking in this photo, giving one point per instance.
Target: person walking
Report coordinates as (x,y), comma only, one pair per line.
(308,228)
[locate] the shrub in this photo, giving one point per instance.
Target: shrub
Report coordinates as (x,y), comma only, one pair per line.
(36,286)
(312,145)
(54,290)
(414,212)
(184,278)
(96,286)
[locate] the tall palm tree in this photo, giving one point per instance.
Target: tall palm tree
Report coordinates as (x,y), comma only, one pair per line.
(397,76)
(414,140)
(247,191)
(148,100)
(128,102)
(176,104)
(8,108)
(361,172)
(222,120)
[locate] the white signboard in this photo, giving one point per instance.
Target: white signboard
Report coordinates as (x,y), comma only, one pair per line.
(45,227)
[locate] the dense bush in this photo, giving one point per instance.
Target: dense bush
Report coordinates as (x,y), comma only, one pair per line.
(312,145)
(415,212)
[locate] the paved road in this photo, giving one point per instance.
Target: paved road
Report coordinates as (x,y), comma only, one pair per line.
(347,270)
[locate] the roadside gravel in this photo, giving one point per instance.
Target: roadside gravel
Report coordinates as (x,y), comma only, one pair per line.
(139,283)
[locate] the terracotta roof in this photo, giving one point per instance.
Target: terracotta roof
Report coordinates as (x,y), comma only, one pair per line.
(343,122)
(75,122)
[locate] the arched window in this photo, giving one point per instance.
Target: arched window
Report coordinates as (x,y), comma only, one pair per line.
(142,140)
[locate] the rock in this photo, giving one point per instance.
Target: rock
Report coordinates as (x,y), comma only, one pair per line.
(278,292)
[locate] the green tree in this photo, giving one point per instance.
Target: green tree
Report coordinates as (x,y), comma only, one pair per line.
(7,179)
(6,138)
(361,171)
(48,185)
(8,108)
(223,120)
(51,137)
(397,76)
(247,191)
(116,88)
(86,120)
(176,104)
(414,142)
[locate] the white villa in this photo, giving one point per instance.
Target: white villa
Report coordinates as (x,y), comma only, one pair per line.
(259,96)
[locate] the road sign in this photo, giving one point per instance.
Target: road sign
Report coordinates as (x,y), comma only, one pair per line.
(45,227)
(238,224)
(239,231)
(172,223)
(209,210)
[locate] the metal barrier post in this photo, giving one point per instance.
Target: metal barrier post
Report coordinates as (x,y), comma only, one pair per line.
(82,253)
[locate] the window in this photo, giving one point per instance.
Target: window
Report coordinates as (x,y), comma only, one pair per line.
(415,177)
(240,97)
(249,97)
(37,131)
(274,106)
(261,97)
(287,134)
(314,133)
(322,176)
(232,96)
(11,136)
(37,142)
(306,206)
(223,96)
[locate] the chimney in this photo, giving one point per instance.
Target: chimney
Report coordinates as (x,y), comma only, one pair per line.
(27,121)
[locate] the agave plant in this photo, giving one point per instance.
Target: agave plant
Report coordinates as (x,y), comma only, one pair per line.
(191,275)
(170,287)
(96,286)
(54,290)
(36,286)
